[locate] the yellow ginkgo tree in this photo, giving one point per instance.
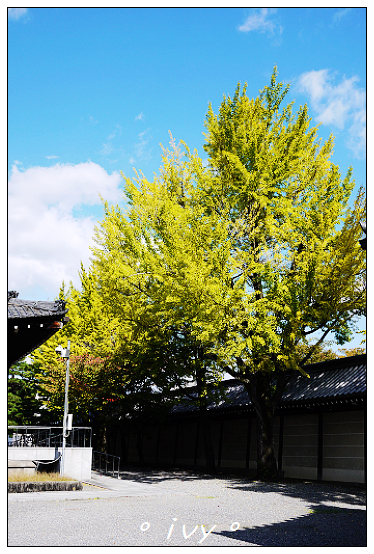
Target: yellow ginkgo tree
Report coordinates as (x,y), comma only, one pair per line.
(253,252)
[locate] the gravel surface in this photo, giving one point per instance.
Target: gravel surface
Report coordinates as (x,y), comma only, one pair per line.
(197,510)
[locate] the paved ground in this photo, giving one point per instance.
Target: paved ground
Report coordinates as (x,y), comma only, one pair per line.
(181,508)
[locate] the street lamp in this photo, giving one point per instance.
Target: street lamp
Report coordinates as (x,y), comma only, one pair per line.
(67,423)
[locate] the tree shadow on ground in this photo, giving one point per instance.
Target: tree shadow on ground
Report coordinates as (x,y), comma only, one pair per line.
(152,476)
(156,474)
(312,491)
(322,526)
(315,492)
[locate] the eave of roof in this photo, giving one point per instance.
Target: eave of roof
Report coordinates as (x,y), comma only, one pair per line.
(339,381)
(23,309)
(331,382)
(30,324)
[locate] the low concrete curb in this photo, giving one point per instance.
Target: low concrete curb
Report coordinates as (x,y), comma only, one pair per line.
(45,486)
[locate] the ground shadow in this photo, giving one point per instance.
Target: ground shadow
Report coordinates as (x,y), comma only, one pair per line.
(322,526)
(313,492)
(152,475)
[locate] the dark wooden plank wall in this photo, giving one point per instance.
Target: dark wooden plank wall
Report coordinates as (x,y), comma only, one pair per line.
(324,446)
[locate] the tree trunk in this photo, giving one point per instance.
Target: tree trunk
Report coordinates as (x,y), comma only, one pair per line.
(262,398)
(267,469)
(100,442)
(204,420)
(139,447)
(207,439)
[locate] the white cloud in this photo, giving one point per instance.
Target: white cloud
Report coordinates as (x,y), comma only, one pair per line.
(106,149)
(108,146)
(16,13)
(260,20)
(141,150)
(52,157)
(140,117)
(117,131)
(339,14)
(341,104)
(46,242)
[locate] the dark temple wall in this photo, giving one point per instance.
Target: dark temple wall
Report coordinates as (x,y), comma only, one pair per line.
(323,445)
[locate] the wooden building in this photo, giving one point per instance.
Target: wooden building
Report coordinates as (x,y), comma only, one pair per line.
(30,324)
(320,429)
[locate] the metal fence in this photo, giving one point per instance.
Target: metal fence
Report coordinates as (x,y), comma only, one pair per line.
(106,463)
(31,435)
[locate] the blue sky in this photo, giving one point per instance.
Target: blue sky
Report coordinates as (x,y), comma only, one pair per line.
(94,91)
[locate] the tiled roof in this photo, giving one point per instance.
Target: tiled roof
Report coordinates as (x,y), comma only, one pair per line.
(19,309)
(30,324)
(341,379)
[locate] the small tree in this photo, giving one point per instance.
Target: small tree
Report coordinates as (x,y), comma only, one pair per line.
(116,365)
(95,376)
(24,403)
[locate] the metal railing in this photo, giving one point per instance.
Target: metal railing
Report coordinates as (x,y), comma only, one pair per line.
(34,435)
(105,463)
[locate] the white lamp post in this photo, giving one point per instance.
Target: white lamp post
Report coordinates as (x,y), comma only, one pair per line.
(68,418)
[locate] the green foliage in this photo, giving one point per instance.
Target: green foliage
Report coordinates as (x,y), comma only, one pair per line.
(141,263)
(255,253)
(95,377)
(91,330)
(294,237)
(116,365)
(23,388)
(347,352)
(320,353)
